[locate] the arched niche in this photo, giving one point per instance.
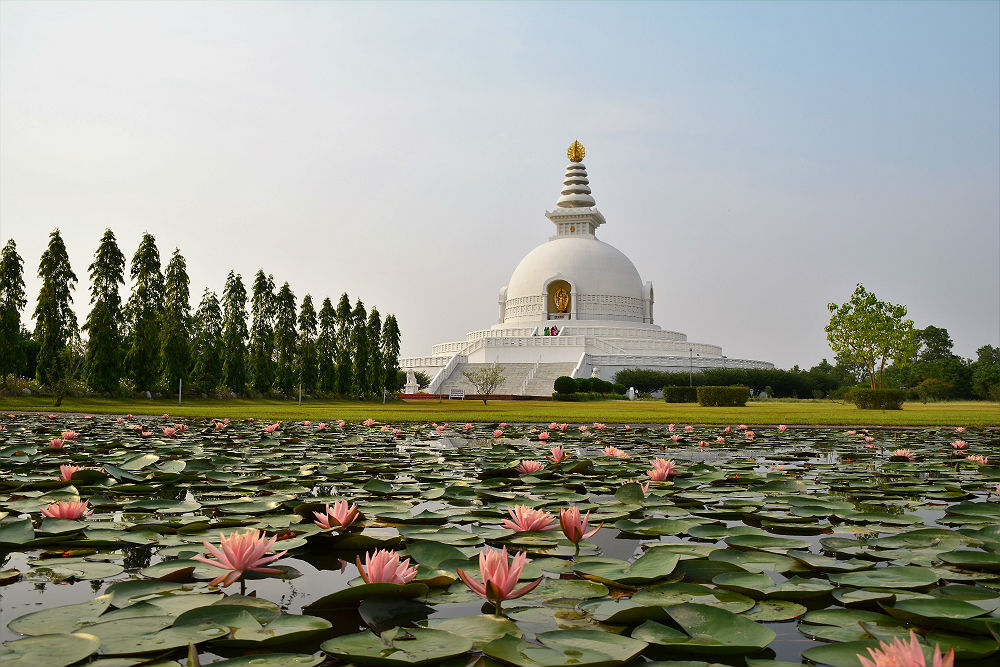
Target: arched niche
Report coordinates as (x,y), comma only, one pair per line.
(559,299)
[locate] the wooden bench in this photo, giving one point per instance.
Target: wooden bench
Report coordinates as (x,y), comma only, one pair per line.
(457,393)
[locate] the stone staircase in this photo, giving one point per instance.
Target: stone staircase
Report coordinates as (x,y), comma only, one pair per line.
(514,378)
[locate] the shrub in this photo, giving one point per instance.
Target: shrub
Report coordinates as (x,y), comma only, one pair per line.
(565,385)
(867,398)
(729,397)
(619,389)
(680,394)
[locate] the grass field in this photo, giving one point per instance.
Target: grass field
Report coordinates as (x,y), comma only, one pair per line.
(964,413)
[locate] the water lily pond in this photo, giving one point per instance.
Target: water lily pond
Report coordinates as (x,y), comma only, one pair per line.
(757,547)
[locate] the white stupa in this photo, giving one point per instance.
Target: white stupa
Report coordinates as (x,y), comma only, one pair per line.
(590,293)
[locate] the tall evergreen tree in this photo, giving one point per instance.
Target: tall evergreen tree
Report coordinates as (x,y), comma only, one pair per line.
(234,334)
(12,302)
(361,350)
(345,349)
(376,372)
(326,347)
(143,314)
(307,371)
(102,366)
(207,343)
(262,333)
(285,338)
(390,352)
(55,321)
(175,332)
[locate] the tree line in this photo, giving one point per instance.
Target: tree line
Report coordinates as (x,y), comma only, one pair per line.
(153,340)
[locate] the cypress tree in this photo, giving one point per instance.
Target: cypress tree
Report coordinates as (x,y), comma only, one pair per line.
(143,314)
(55,321)
(262,333)
(376,373)
(285,338)
(175,332)
(326,347)
(207,343)
(345,346)
(234,334)
(390,352)
(307,362)
(12,302)
(361,351)
(102,367)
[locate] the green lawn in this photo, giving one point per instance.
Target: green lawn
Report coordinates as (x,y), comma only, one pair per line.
(965,413)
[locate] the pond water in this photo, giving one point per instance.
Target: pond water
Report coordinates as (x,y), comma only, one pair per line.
(805,544)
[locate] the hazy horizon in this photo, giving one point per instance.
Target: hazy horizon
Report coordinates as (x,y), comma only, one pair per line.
(754,160)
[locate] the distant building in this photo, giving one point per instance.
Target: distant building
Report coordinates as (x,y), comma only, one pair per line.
(586,291)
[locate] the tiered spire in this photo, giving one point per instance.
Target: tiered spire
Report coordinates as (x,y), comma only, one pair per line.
(576,211)
(576,185)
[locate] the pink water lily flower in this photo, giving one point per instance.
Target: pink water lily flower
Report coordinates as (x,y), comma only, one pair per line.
(903,453)
(662,470)
(525,519)
(727,429)
(307,423)
(977,458)
(119,419)
(720,440)
(340,423)
(383,567)
(852,433)
(543,436)
(583,429)
(56,443)
(782,427)
(905,654)
(703,443)
(675,438)
(574,527)
(340,515)
(960,444)
(614,452)
(145,434)
(558,454)
(743,427)
(466,427)
(369,422)
(497,433)
(599,426)
(73,509)
(748,435)
(563,427)
(240,553)
(166,416)
(219,425)
(321,426)
(69,435)
(671,427)
(688,428)
(499,576)
(385,429)
(553,426)
(627,427)
(67,471)
(271,428)
(181,427)
(439,428)
(959,429)
(527,466)
(169,432)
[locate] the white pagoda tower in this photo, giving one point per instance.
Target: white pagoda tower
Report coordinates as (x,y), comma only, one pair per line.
(586,292)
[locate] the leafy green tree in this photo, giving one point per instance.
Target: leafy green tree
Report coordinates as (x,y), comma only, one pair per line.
(376,372)
(308,371)
(262,333)
(486,379)
(285,338)
(104,360)
(207,343)
(345,346)
(234,334)
(12,302)
(390,347)
(142,312)
(986,373)
(55,321)
(871,332)
(175,334)
(326,347)
(935,343)
(361,385)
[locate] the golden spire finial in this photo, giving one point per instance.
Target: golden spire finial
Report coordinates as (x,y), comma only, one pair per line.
(576,152)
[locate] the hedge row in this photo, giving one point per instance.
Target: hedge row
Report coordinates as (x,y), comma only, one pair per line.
(580,396)
(680,394)
(567,385)
(867,398)
(728,397)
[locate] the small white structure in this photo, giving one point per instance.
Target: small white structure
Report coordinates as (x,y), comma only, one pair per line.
(585,290)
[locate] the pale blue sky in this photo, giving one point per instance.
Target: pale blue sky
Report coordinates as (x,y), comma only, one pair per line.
(755,160)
